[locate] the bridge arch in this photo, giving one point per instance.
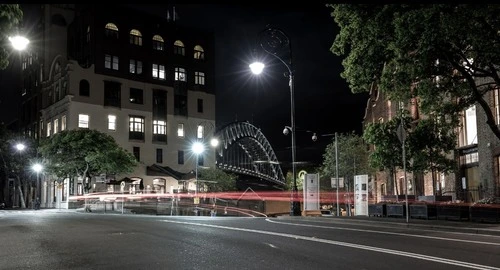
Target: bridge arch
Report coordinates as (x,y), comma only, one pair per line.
(244,149)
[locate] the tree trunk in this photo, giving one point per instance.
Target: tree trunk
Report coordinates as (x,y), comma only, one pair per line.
(21,196)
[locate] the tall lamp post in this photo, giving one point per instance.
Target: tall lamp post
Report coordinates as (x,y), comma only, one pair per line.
(198,148)
(37,168)
(273,41)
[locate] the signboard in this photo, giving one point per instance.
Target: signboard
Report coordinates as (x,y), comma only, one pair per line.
(196,200)
(361,195)
(311,192)
(122,186)
(334,182)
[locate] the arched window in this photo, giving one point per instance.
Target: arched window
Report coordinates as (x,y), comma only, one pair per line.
(179,48)
(88,34)
(84,88)
(158,43)
(111,30)
(135,37)
(199,53)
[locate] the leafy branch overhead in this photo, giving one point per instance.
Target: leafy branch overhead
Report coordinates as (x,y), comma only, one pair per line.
(447,55)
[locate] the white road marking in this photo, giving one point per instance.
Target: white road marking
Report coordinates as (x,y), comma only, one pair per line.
(345,244)
(391,233)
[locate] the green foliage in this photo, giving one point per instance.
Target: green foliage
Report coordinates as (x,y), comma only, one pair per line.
(10,16)
(387,151)
(218,180)
(86,153)
(448,55)
(352,156)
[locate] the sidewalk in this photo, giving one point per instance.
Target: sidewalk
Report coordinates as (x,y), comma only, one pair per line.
(429,224)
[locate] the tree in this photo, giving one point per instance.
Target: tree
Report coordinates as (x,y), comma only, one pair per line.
(352,156)
(386,152)
(218,180)
(446,55)
(85,153)
(10,16)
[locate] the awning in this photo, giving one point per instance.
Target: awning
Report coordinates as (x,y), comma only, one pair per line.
(157,170)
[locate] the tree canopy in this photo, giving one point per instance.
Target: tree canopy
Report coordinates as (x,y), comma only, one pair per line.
(10,16)
(85,153)
(447,55)
(217,180)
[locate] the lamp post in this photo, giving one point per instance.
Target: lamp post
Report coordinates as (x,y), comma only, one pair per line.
(198,149)
(37,168)
(19,42)
(273,41)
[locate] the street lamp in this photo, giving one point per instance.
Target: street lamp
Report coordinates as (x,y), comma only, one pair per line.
(273,41)
(20,147)
(198,148)
(19,42)
(37,167)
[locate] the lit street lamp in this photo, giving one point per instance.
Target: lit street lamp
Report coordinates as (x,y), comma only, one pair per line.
(198,148)
(273,41)
(19,42)
(37,167)
(20,147)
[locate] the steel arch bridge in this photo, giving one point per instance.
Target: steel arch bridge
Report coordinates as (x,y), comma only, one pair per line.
(243,149)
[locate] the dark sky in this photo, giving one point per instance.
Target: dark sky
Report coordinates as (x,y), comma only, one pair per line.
(323,102)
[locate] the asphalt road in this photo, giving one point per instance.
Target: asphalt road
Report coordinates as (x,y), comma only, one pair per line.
(67,240)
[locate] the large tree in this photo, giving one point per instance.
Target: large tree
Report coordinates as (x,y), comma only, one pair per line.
(447,54)
(85,153)
(217,180)
(10,16)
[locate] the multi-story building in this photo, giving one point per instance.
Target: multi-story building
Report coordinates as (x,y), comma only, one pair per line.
(146,81)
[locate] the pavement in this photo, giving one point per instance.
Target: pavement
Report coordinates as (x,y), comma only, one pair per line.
(463,226)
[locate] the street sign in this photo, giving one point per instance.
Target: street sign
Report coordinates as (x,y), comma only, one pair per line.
(334,182)
(196,200)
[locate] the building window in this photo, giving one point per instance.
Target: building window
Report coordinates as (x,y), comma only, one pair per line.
(199,78)
(135,37)
(179,48)
(159,127)
(88,34)
(111,30)
(135,67)
(200,105)
(136,128)
(111,61)
(112,122)
(49,128)
(136,96)
(112,94)
(180,74)
(199,53)
(199,132)
(159,155)
(83,121)
(56,126)
(180,157)
(137,153)
(63,122)
(469,127)
(158,43)
(180,130)
(159,72)
(84,88)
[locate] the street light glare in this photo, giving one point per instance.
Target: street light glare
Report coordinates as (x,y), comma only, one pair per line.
(19,43)
(20,147)
(214,142)
(198,148)
(37,168)
(257,67)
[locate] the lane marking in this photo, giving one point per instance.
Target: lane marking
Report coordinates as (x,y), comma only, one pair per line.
(390,233)
(345,244)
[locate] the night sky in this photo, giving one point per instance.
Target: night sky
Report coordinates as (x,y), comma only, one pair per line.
(323,102)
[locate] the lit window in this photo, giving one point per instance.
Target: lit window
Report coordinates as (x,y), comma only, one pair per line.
(199,78)
(199,53)
(63,122)
(159,127)
(56,126)
(111,30)
(83,121)
(180,74)
(135,66)
(159,71)
(158,43)
(179,48)
(199,133)
(135,37)
(136,124)
(180,130)
(111,61)
(112,122)
(49,129)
